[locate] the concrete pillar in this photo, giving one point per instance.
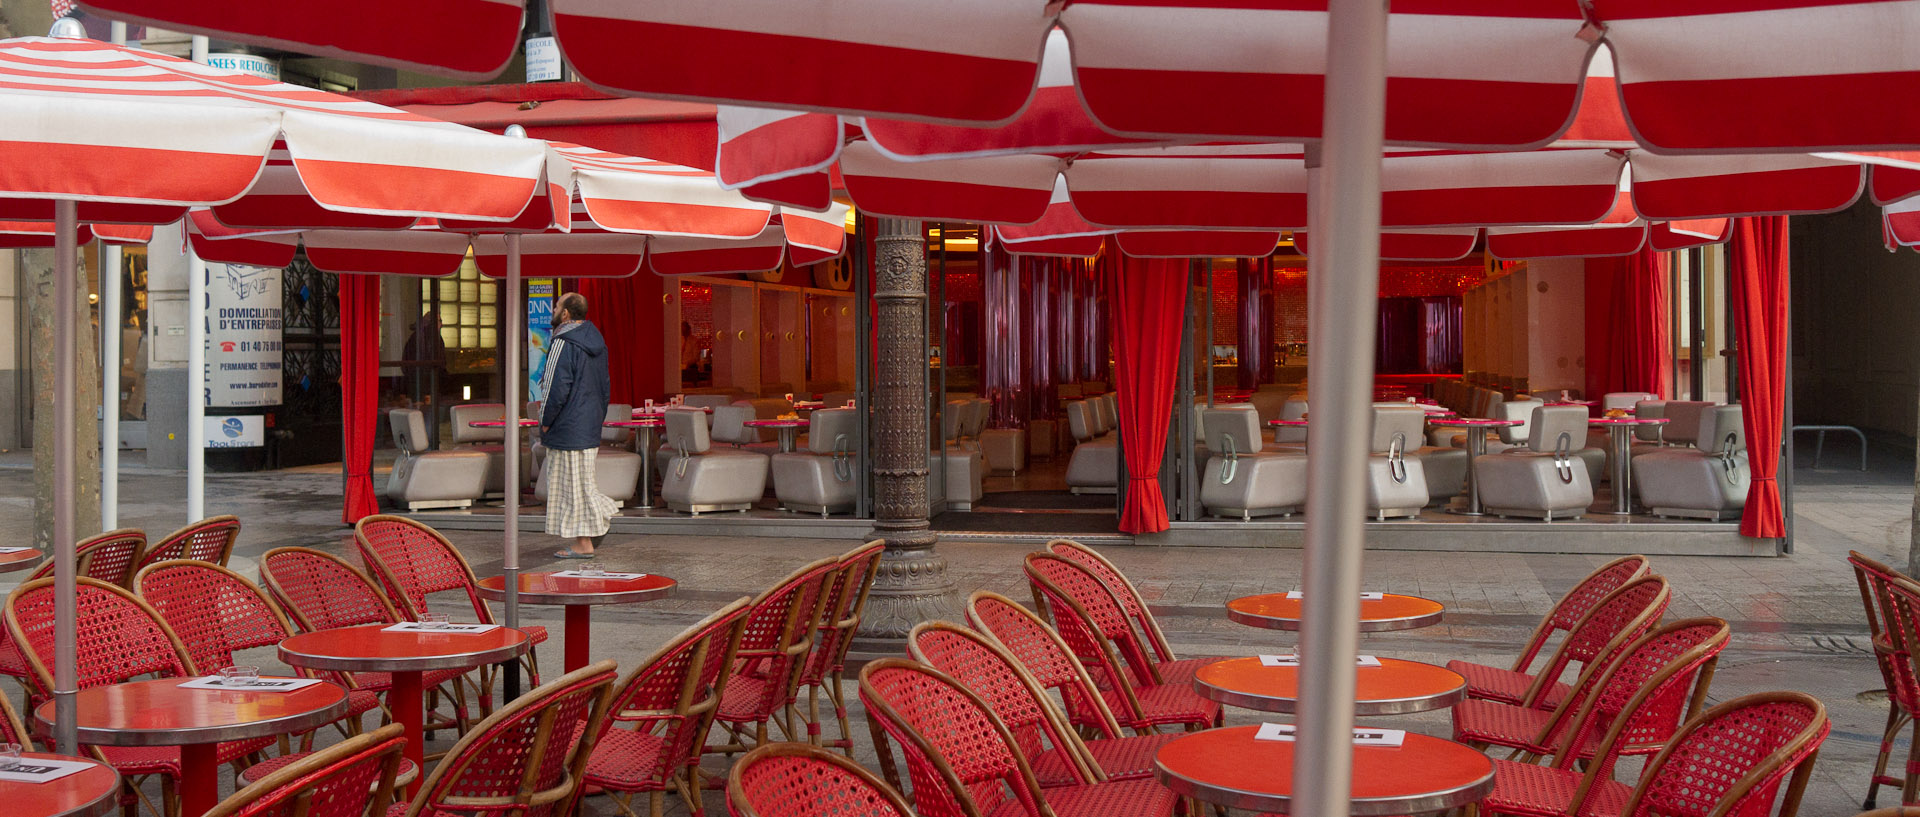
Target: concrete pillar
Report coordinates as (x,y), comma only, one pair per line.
(912,584)
(167,345)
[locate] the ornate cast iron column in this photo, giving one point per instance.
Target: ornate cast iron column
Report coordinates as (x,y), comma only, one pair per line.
(912,584)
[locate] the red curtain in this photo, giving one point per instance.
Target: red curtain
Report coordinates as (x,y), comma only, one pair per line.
(359,391)
(1629,346)
(1760,291)
(1149,300)
(611,306)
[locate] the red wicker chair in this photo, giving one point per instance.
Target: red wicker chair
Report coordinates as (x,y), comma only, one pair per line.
(1899,599)
(764,681)
(1632,701)
(108,557)
(215,613)
(1729,761)
(320,591)
(1633,609)
(1046,659)
(412,561)
(799,780)
(846,601)
(651,739)
(964,762)
(1088,617)
(526,759)
(351,778)
(121,638)
(1058,755)
(209,540)
(1896,671)
(1145,633)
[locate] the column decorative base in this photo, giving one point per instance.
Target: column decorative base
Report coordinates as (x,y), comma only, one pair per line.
(911,586)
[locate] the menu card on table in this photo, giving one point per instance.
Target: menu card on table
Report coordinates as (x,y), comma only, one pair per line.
(1361,736)
(7,550)
(1291,660)
(621,577)
(38,770)
(423,627)
(262,684)
(1365,595)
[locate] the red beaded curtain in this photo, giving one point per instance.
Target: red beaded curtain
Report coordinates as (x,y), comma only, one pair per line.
(1760,291)
(359,391)
(1629,347)
(1148,301)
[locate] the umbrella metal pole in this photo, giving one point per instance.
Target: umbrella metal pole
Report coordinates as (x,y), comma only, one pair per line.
(65,611)
(510,557)
(1343,286)
(109,385)
(196,386)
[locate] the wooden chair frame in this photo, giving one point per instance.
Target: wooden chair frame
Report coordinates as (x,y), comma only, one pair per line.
(387,744)
(739,802)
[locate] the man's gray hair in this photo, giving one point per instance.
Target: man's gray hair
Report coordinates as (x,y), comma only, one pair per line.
(575,304)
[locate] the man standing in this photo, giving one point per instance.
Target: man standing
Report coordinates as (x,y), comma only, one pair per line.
(576,384)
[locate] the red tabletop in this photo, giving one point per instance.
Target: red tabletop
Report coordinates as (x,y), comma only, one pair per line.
(87,793)
(1395,687)
(546,588)
(159,713)
(1475,422)
(370,648)
(1274,611)
(1627,421)
(1227,766)
(649,423)
(19,560)
(1287,423)
(524,423)
(775,423)
(809,405)
(661,409)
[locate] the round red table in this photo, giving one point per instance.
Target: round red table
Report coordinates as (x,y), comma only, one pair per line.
(1229,767)
(19,560)
(90,792)
(1274,611)
(1395,687)
(524,423)
(578,595)
(159,713)
(1476,445)
(370,648)
(1620,450)
(789,430)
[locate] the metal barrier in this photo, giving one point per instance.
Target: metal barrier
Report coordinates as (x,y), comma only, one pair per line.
(1820,442)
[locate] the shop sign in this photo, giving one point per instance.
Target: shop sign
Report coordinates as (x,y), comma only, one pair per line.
(539,332)
(543,59)
(250,64)
(247,431)
(243,336)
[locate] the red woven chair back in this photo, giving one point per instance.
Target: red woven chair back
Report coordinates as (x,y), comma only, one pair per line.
(799,780)
(412,561)
(109,557)
(1581,600)
(319,591)
(1624,615)
(995,676)
(1044,656)
(348,779)
(212,610)
(674,693)
(1098,608)
(778,633)
(846,591)
(1122,589)
(1732,759)
(1636,703)
(209,540)
(11,729)
(961,759)
(526,758)
(1891,629)
(120,637)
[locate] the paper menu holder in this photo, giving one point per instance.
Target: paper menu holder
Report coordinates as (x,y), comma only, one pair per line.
(42,770)
(1293,660)
(1295,595)
(1362,736)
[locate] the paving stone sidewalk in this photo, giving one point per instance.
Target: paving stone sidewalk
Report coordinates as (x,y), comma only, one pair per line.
(1796,619)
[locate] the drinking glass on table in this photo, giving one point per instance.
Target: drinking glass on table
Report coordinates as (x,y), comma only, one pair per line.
(239,676)
(591,567)
(435,621)
(9,756)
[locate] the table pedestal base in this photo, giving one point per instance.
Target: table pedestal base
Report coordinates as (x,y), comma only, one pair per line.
(579,633)
(199,778)
(408,704)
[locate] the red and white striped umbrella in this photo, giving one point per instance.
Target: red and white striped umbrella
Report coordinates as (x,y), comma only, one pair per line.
(31,235)
(1900,221)
(1729,75)
(138,137)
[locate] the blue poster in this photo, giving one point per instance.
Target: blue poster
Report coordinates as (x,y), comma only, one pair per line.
(539,332)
